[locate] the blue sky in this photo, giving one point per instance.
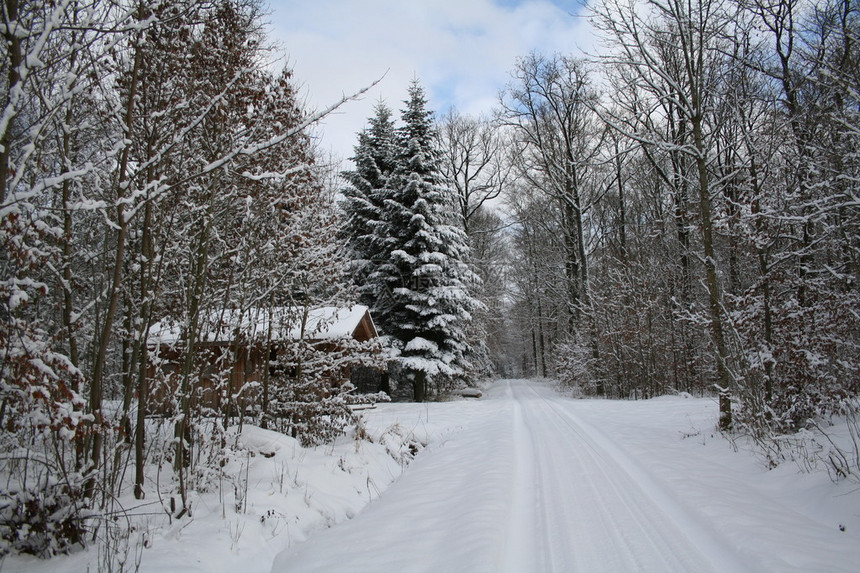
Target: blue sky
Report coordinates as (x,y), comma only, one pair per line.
(461,50)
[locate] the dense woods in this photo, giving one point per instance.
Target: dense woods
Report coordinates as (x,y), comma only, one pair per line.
(686,215)
(152,170)
(679,213)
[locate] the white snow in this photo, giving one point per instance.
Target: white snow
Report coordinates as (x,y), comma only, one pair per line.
(536,482)
(521,480)
(273,493)
(419,343)
(323,323)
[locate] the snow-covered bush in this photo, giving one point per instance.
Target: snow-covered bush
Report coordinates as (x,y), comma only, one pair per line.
(401,444)
(299,412)
(41,418)
(575,367)
(310,391)
(42,519)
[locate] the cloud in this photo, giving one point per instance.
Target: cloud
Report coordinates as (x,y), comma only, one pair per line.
(460,50)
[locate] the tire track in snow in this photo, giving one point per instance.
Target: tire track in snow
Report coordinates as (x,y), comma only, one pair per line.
(529,488)
(631,522)
(580,533)
(614,530)
(523,522)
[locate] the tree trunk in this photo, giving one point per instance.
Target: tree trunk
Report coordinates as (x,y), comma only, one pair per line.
(13,78)
(419,385)
(148,255)
(104,338)
(715,300)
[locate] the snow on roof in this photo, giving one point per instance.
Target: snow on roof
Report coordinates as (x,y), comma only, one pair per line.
(323,323)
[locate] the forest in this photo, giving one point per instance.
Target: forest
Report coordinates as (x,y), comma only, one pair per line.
(679,213)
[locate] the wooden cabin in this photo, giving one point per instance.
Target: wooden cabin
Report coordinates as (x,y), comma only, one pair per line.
(234,349)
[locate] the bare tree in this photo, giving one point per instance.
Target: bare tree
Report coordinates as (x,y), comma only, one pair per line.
(669,49)
(474,162)
(549,105)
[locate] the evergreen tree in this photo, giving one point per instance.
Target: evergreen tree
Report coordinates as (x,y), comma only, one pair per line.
(364,199)
(424,272)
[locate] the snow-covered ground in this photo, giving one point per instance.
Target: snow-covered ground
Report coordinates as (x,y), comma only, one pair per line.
(520,480)
(272,493)
(537,482)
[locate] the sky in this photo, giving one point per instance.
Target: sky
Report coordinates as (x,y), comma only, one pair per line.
(462,52)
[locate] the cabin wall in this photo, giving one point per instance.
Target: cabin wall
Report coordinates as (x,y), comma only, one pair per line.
(212,373)
(217,382)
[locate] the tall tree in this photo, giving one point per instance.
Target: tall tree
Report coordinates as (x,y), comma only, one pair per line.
(426,272)
(690,34)
(364,203)
(549,105)
(473,162)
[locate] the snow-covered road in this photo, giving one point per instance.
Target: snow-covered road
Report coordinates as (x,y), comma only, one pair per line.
(527,486)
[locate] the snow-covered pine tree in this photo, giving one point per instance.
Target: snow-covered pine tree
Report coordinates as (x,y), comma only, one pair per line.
(425,273)
(365,192)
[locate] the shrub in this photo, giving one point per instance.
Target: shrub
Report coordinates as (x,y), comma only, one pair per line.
(41,521)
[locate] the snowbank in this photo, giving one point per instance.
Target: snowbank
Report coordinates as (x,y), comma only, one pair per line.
(275,494)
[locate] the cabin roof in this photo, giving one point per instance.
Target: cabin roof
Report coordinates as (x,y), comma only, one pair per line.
(323,323)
